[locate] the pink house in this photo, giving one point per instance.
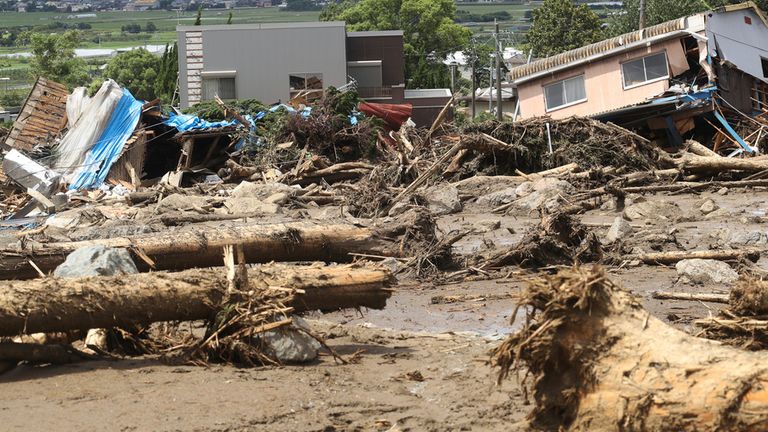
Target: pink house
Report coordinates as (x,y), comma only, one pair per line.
(611,74)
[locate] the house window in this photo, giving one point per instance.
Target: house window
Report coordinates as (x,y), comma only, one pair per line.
(224,87)
(764,64)
(565,92)
(644,70)
(307,85)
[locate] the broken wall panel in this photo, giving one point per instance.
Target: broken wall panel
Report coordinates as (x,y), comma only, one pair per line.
(130,165)
(42,117)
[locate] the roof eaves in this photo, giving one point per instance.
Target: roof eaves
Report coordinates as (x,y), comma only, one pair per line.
(607,47)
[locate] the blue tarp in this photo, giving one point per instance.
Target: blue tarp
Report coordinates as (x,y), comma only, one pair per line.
(186,122)
(109,146)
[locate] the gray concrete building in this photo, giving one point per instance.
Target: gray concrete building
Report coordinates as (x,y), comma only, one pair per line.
(269,62)
(277,61)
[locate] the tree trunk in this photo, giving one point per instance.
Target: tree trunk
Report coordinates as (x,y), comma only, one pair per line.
(202,246)
(600,362)
(53,304)
(675,256)
(699,164)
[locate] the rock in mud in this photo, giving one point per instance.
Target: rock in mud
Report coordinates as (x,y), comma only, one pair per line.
(443,199)
(178,202)
(702,271)
(260,190)
(618,230)
(495,199)
(663,210)
(547,193)
(96,261)
(290,345)
(251,205)
(749,238)
(708,207)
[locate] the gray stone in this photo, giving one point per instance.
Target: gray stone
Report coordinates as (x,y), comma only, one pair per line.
(719,214)
(495,199)
(290,345)
(96,261)
(722,191)
(524,189)
(748,238)
(652,210)
(619,229)
(443,199)
(708,207)
(279,198)
(391,263)
(260,190)
(545,193)
(701,271)
(250,206)
(178,202)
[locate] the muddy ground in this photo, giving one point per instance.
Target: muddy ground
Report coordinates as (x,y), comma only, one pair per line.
(421,364)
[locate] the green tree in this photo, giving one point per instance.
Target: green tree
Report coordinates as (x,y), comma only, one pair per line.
(656,12)
(199,18)
(429,32)
(166,77)
(659,11)
(150,27)
(137,70)
(53,57)
(560,25)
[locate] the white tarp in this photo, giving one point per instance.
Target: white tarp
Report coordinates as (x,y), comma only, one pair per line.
(77,101)
(71,151)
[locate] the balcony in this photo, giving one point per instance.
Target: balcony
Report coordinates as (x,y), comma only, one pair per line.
(374,92)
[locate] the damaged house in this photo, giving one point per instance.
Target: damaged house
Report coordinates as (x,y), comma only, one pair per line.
(702,76)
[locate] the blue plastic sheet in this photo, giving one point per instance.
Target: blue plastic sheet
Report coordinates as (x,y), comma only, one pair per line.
(109,146)
(186,122)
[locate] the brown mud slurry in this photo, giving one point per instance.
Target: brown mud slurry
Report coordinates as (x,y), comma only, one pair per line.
(420,364)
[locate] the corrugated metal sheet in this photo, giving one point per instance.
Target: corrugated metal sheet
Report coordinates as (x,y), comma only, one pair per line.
(585,52)
(43,116)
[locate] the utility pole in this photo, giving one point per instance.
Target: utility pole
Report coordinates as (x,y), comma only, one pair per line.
(474,81)
(641,24)
(490,84)
(453,76)
(499,114)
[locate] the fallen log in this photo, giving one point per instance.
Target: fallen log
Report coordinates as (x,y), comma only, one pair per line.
(599,361)
(201,246)
(675,256)
(55,304)
(700,164)
(707,297)
(699,149)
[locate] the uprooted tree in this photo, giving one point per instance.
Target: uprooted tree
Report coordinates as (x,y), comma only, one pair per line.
(600,361)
